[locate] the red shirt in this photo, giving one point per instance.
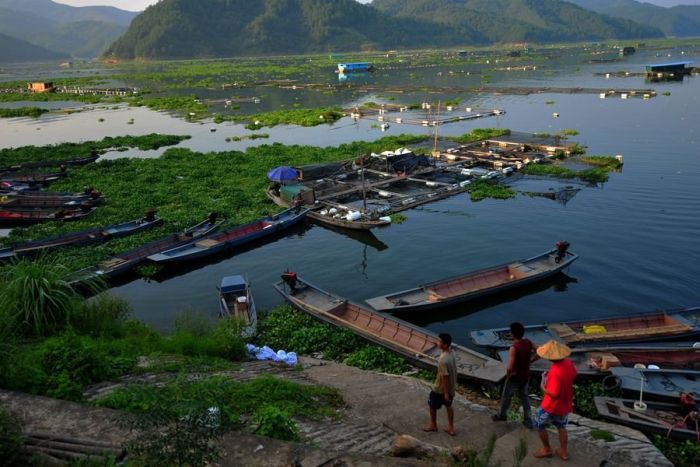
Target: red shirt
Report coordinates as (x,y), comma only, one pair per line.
(560,383)
(523,355)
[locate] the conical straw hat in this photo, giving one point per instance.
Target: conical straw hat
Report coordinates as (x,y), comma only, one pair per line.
(553,350)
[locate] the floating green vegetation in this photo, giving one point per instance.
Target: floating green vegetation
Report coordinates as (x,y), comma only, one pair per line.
(568,132)
(549,102)
(184,186)
(596,175)
(666,93)
(189,106)
(482,189)
(34,112)
(478,134)
(301,117)
(252,136)
(69,151)
(609,163)
(542,135)
(398,218)
(603,435)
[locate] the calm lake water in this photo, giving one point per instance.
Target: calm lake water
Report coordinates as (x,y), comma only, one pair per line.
(637,236)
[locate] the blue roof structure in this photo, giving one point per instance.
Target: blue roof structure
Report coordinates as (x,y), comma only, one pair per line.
(655,65)
(230,284)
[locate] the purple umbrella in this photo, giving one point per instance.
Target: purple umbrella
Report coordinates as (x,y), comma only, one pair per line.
(282,174)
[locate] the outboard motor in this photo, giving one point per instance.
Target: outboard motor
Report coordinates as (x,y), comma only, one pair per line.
(211,217)
(85,207)
(562,247)
(290,278)
(150,214)
(95,194)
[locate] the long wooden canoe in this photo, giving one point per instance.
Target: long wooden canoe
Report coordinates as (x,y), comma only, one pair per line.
(13,217)
(128,260)
(30,200)
(680,324)
(82,237)
(659,418)
(415,344)
(316,214)
(597,362)
(50,163)
(659,384)
(474,284)
(231,238)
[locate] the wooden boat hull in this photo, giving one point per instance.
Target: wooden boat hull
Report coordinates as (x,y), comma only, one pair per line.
(31,179)
(83,237)
(413,343)
(315,216)
(24,217)
(235,237)
(230,289)
(128,260)
(682,324)
(29,201)
(658,418)
(50,163)
(659,384)
(663,355)
(473,285)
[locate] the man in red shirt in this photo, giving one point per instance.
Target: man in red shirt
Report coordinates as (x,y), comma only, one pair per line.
(558,401)
(520,355)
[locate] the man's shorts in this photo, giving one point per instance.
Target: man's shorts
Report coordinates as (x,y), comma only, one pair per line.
(436,401)
(543,418)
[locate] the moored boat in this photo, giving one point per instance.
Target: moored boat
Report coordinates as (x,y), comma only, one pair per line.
(236,301)
(680,324)
(47,200)
(128,260)
(665,419)
(329,215)
(9,216)
(82,237)
(51,163)
(477,284)
(659,383)
(597,362)
(31,178)
(234,237)
(415,344)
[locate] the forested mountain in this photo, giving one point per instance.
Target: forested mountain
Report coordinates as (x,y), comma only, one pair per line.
(83,39)
(16,50)
(219,28)
(518,20)
(59,12)
(678,21)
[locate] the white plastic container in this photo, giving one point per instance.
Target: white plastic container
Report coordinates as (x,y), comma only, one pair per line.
(353,216)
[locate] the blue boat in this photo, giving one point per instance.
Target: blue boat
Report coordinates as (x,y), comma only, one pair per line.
(237,236)
(128,260)
(83,237)
(236,301)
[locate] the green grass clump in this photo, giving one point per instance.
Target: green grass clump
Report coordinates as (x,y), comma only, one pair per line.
(482,189)
(34,112)
(596,175)
(602,434)
(301,117)
(478,134)
(233,398)
(606,162)
(681,453)
(286,328)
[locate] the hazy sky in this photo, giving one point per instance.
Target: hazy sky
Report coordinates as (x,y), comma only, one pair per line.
(136,5)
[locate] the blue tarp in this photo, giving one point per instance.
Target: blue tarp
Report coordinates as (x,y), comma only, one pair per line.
(266,353)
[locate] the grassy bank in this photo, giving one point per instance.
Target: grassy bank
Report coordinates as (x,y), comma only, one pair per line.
(34,112)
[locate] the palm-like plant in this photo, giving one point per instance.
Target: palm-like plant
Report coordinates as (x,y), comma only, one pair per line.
(35,296)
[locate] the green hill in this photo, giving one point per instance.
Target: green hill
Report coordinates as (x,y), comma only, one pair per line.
(60,13)
(222,28)
(83,39)
(519,20)
(16,50)
(678,21)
